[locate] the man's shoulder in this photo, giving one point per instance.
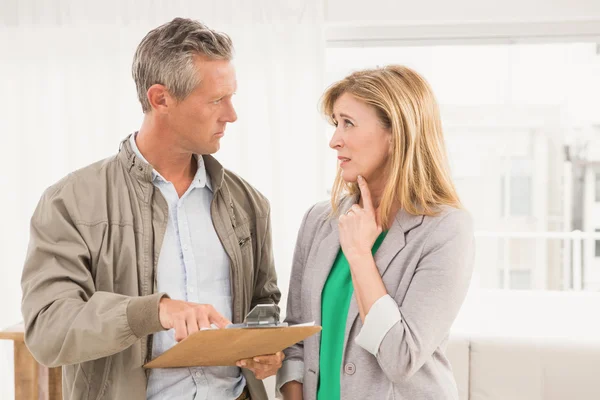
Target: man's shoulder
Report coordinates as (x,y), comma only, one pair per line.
(84,185)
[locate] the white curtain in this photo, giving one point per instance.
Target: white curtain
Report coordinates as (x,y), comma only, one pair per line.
(68,99)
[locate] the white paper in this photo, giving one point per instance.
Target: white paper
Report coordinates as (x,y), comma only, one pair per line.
(304,324)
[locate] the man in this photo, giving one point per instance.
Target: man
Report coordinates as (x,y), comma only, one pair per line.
(138,251)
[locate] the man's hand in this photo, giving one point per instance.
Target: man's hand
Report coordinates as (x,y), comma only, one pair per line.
(263,366)
(187,318)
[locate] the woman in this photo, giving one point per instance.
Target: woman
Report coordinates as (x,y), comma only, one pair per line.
(385,266)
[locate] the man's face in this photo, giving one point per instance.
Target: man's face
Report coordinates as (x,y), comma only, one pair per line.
(199,121)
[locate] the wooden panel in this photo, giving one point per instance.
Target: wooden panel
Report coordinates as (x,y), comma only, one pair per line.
(49,383)
(32,380)
(26,374)
(15,333)
(55,383)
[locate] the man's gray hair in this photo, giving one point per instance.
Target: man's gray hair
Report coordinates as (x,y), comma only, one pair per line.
(166,56)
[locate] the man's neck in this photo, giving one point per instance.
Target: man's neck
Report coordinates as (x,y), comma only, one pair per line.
(165,156)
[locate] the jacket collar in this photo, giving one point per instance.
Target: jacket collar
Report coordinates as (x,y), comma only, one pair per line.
(142,171)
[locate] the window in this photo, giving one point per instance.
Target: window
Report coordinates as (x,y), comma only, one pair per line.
(520,194)
(519,279)
(597,187)
(508,113)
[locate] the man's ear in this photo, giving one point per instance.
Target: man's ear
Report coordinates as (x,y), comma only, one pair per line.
(159,97)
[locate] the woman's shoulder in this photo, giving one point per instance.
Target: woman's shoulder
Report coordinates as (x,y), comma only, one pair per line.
(323,210)
(450,219)
(452,213)
(319,209)
(318,213)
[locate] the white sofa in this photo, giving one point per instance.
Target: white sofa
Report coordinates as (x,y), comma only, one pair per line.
(517,345)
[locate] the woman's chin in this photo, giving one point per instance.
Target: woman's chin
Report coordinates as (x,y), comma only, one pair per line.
(349,177)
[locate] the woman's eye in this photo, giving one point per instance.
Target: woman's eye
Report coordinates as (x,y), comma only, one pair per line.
(347,123)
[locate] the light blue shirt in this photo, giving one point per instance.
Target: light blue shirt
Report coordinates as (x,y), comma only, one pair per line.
(194,267)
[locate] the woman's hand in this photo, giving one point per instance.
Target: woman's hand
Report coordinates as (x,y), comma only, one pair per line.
(359,227)
(292,391)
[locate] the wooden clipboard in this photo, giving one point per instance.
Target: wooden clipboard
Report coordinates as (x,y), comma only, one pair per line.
(224,347)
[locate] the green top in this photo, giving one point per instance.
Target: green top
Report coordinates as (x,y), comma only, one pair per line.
(335,303)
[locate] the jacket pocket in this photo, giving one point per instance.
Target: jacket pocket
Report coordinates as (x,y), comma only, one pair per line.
(77,385)
(244,236)
(90,379)
(105,374)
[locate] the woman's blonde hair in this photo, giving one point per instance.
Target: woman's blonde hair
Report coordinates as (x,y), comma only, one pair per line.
(418,174)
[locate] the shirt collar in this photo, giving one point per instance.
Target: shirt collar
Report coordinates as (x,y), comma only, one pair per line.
(200,179)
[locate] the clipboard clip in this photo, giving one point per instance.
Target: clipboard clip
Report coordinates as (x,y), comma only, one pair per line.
(261,316)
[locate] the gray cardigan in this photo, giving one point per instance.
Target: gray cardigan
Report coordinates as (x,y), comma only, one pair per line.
(426,265)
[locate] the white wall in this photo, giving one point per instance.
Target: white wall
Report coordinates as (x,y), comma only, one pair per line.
(385,22)
(439,11)
(69,99)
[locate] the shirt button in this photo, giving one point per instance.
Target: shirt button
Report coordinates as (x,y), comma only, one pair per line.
(350,369)
(190,289)
(198,374)
(185,248)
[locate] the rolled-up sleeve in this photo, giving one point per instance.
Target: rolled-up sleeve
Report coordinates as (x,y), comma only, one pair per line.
(382,316)
(291,370)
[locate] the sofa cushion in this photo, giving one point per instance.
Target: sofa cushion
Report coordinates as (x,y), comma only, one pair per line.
(534,369)
(457,352)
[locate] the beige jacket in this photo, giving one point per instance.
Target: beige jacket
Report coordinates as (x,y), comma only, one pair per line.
(89,299)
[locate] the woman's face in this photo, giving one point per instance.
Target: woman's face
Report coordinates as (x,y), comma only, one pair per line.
(361,142)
